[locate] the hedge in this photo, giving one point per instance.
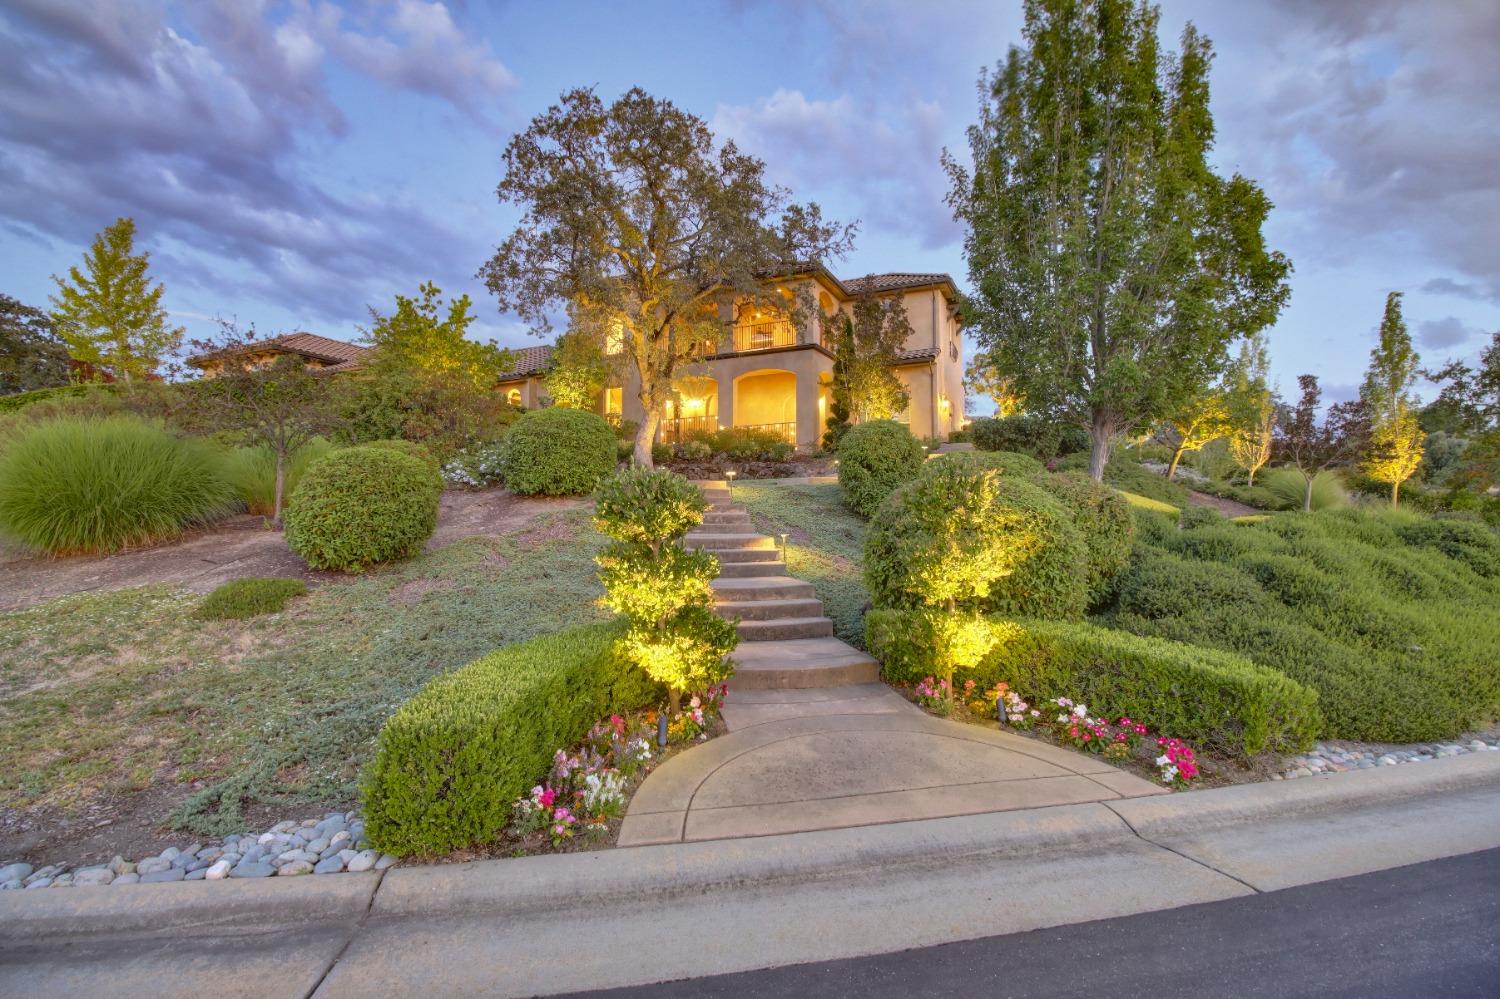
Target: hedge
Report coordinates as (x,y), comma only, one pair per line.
(1004,462)
(558,452)
(362,506)
(1028,434)
(1103,517)
(1213,699)
(80,390)
(451,762)
(875,458)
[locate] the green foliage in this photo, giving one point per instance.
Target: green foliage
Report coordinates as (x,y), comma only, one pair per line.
(414,450)
(875,458)
(1392,618)
(744,444)
(77,485)
(1199,516)
(1004,462)
(415,339)
(21,400)
(1211,698)
(643,506)
(252,473)
(1125,473)
(558,452)
(361,507)
(1103,518)
(1287,486)
(865,342)
(1035,560)
(242,598)
(31,355)
(1108,307)
(452,760)
(1024,433)
(108,313)
(579,371)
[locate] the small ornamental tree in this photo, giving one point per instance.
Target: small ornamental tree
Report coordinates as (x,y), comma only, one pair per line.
(1200,420)
(1252,407)
(1310,446)
(579,371)
(663,589)
(865,341)
(1395,450)
(109,314)
(1396,436)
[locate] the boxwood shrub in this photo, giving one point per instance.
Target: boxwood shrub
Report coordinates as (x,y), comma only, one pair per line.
(1024,433)
(72,486)
(875,458)
(1104,519)
(1211,698)
(558,452)
(362,506)
(1051,581)
(451,761)
(1004,462)
(418,451)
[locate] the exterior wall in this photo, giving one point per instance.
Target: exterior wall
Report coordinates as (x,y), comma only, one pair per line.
(917,379)
(212,367)
(533,390)
(920,312)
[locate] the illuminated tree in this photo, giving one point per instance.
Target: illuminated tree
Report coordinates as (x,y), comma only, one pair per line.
(865,341)
(1396,437)
(109,314)
(417,339)
(1395,450)
(1252,407)
(1202,419)
(983,379)
(579,371)
(638,221)
(663,589)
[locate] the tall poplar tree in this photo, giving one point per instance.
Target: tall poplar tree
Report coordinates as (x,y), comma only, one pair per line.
(865,341)
(108,312)
(1252,406)
(1112,266)
(1396,438)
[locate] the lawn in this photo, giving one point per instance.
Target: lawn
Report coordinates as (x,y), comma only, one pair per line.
(825,546)
(114,695)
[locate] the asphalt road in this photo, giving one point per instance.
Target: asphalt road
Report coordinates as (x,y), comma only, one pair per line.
(1426,931)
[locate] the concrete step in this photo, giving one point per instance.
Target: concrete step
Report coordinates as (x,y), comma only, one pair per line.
(800,664)
(725,541)
(767,610)
(769,588)
(744,570)
(727,555)
(784,628)
(731,523)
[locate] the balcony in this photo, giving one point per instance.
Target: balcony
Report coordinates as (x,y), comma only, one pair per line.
(764,335)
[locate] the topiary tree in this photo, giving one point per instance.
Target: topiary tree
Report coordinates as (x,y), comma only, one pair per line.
(1044,564)
(875,458)
(558,452)
(664,590)
(360,507)
(1103,518)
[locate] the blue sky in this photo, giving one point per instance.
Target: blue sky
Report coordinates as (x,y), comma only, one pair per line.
(291,164)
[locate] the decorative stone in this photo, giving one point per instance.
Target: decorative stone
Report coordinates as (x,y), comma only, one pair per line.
(363,861)
(218,870)
(196,875)
(293,869)
(131,878)
(153,865)
(38,883)
(170,854)
(15,872)
(252,870)
(171,874)
(93,877)
(385,861)
(329,865)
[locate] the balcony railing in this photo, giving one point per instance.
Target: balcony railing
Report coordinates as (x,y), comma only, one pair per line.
(788,431)
(764,335)
(677,431)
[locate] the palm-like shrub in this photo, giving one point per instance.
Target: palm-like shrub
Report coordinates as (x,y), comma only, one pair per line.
(81,485)
(252,473)
(875,458)
(662,588)
(558,452)
(1287,486)
(362,506)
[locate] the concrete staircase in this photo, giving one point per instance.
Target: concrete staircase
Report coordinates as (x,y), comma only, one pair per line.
(786,641)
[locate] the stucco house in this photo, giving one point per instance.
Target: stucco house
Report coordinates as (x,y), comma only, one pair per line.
(774,374)
(523,384)
(322,354)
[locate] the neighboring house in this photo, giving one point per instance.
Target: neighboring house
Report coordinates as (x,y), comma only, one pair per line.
(771,374)
(523,384)
(321,354)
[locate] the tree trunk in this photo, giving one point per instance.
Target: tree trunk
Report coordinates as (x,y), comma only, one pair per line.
(280,485)
(1251,482)
(674,702)
(1307,494)
(1395,492)
(1100,431)
(1172,468)
(645,436)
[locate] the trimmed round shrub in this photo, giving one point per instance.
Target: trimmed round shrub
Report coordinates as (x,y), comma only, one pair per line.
(1004,462)
(1026,433)
(242,598)
(647,506)
(71,485)
(1049,575)
(1103,518)
(875,458)
(360,507)
(558,452)
(418,451)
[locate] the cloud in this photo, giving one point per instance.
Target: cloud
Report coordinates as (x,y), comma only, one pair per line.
(882,158)
(196,130)
(1447,286)
(1447,332)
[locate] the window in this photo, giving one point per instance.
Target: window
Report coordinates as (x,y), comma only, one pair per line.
(614,400)
(513,397)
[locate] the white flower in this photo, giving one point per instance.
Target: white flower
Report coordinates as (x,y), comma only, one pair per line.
(1081,710)
(1162,761)
(1062,718)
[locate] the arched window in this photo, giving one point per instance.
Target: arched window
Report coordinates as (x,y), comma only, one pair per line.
(513,397)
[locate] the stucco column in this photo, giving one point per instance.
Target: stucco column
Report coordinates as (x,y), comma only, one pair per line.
(726,400)
(807,411)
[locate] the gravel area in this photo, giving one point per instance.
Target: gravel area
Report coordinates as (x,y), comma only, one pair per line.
(1338,757)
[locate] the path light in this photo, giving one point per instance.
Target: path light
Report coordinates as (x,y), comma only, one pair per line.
(729,477)
(1000,709)
(783,547)
(661,731)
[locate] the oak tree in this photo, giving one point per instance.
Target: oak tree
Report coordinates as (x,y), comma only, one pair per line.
(31,355)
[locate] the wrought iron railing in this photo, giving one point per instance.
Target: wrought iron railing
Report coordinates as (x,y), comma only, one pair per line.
(677,431)
(788,431)
(764,335)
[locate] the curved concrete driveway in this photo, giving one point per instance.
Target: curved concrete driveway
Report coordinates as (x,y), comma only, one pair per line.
(852,756)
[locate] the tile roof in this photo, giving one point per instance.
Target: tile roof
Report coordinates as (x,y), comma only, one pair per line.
(338,353)
(894,281)
(528,361)
(920,354)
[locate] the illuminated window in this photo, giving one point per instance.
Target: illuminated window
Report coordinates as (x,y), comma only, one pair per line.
(513,397)
(614,400)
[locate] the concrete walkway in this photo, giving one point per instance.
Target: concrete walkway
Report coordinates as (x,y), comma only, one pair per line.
(817,742)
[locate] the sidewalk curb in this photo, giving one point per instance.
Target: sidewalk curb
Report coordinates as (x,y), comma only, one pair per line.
(547,883)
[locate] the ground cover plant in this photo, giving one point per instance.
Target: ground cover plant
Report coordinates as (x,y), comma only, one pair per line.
(71,486)
(242,598)
(1392,617)
(825,546)
(127,699)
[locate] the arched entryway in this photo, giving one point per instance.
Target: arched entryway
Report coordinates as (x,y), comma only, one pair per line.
(766,399)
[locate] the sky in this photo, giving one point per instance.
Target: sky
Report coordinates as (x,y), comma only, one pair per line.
(290,165)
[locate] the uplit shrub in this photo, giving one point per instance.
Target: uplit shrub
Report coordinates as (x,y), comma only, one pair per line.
(745,444)
(80,485)
(875,458)
(242,598)
(558,452)
(1004,462)
(1287,487)
(1024,433)
(1103,518)
(252,472)
(451,761)
(361,507)
(1213,698)
(1043,556)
